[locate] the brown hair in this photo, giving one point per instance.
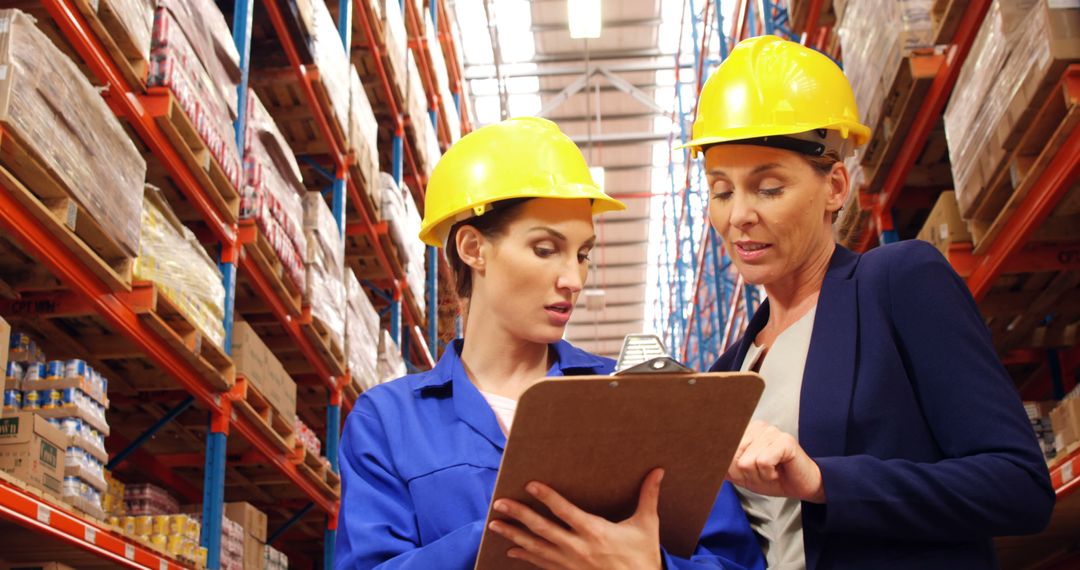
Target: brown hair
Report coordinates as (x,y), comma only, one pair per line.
(493,223)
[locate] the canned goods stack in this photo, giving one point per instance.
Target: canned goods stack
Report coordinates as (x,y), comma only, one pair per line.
(232,543)
(147,499)
(113,499)
(71,395)
(176,535)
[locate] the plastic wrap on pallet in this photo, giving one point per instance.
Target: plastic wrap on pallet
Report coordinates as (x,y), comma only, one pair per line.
(174,63)
(399,211)
(306,437)
(416,109)
(434,152)
(438,61)
(88,152)
(363,129)
(361,331)
(326,259)
(396,39)
(326,294)
(1008,64)
(453,117)
(390,365)
(322,234)
(171,257)
(136,17)
(205,28)
(357,299)
(332,63)
(275,559)
(416,277)
(273,191)
(875,37)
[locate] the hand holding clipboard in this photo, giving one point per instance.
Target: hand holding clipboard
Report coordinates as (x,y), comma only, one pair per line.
(593,439)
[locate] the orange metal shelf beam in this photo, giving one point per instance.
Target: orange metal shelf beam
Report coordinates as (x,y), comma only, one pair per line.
(427,71)
(454,67)
(929,112)
(36,514)
(1036,207)
(126,103)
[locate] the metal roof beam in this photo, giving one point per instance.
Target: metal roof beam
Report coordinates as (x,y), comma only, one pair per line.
(607,25)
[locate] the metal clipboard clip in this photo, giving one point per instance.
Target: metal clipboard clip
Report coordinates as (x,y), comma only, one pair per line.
(646,354)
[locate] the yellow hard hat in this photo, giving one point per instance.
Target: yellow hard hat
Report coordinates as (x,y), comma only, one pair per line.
(526,157)
(769,87)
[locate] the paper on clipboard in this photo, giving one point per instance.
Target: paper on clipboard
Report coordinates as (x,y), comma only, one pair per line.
(594,438)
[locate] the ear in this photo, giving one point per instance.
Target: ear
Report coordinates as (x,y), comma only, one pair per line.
(469,243)
(839,187)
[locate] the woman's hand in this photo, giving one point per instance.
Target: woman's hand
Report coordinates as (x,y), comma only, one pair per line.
(583,540)
(770,462)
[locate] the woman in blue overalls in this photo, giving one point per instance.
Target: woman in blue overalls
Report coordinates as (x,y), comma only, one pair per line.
(513,204)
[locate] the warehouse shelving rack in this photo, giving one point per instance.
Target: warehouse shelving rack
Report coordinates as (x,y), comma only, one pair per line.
(119,309)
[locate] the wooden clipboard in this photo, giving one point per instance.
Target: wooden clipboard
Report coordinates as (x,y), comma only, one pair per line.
(594,438)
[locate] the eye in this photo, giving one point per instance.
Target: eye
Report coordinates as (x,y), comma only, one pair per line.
(771,187)
(545,250)
(583,257)
(721,190)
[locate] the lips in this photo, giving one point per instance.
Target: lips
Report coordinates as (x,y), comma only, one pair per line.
(751,250)
(559,313)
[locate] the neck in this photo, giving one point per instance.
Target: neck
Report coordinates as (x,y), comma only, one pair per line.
(793,296)
(498,362)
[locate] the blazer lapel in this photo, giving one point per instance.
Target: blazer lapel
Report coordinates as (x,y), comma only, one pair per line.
(829,376)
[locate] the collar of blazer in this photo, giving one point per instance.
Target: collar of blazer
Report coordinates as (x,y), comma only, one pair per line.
(829,376)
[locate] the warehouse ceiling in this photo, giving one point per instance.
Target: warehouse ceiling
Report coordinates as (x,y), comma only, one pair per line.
(614,96)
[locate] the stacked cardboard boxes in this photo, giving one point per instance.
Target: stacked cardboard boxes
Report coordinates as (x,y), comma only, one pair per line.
(253,527)
(1039,415)
(944,225)
(254,361)
(390,365)
(1020,52)
(86,155)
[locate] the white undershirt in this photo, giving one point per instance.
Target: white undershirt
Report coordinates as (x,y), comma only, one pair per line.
(504,409)
(776,520)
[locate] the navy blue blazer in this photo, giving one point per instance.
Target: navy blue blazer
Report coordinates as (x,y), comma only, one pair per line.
(925,450)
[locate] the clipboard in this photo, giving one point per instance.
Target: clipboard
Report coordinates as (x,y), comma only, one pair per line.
(595,438)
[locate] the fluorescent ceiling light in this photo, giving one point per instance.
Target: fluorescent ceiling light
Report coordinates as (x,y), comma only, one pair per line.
(584,17)
(597,173)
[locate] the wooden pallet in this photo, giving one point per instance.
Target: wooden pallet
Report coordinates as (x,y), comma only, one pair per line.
(1054,121)
(264,257)
(315,467)
(125,50)
(163,106)
(53,206)
(256,408)
(182,334)
(360,255)
(902,104)
(319,334)
(365,175)
(282,93)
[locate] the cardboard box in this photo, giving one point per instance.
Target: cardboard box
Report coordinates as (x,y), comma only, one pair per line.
(253,520)
(944,226)
(257,363)
(1066,421)
(32,450)
(254,553)
(5,343)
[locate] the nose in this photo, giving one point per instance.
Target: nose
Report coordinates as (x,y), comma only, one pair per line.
(571,277)
(743,215)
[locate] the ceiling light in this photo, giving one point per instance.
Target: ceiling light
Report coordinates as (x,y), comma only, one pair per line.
(584,17)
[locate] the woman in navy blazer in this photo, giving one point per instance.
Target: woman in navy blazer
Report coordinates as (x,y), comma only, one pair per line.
(909,447)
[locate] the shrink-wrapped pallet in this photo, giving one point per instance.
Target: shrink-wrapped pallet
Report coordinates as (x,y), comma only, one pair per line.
(60,137)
